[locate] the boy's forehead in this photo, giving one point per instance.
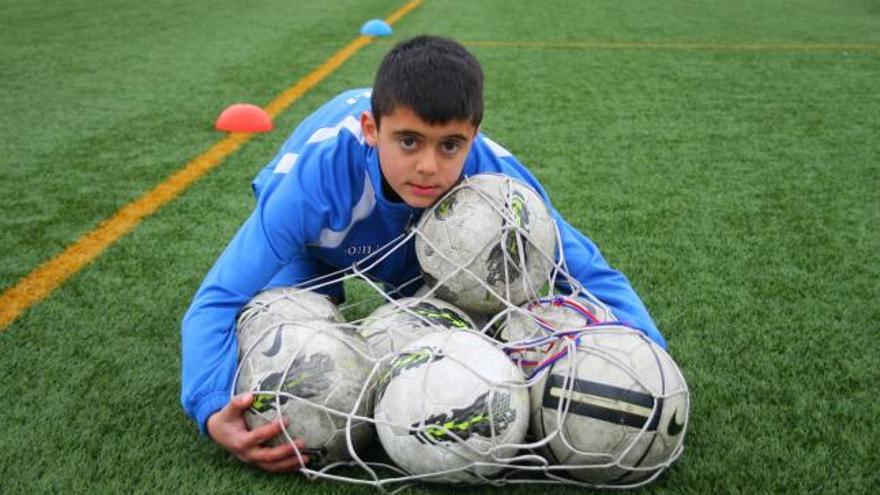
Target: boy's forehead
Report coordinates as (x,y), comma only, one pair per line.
(404,119)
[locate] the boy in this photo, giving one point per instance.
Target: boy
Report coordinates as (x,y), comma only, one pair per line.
(353,176)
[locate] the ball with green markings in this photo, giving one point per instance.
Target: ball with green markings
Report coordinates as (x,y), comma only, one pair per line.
(451,407)
(392,326)
(278,305)
(488,244)
(313,373)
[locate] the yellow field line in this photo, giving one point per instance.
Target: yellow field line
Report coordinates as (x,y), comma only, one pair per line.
(48,276)
(647,45)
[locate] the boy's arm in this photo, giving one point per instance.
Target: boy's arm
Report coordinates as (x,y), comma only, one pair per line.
(582,257)
(210,349)
(586,264)
(275,236)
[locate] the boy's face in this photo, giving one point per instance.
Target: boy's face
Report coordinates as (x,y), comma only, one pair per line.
(420,161)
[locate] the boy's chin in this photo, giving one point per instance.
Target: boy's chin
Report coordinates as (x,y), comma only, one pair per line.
(420,202)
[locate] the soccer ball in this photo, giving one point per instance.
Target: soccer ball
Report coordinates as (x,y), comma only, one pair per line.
(531,326)
(491,233)
(479,319)
(297,370)
(394,325)
(451,408)
(279,305)
(613,410)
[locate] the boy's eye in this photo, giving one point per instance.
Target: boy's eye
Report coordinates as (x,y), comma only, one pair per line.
(450,147)
(408,143)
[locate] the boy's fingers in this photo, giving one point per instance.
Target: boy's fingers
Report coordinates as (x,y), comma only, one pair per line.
(286,465)
(241,402)
(278,453)
(237,406)
(262,434)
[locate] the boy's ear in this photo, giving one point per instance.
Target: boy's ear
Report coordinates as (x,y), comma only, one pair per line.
(369,128)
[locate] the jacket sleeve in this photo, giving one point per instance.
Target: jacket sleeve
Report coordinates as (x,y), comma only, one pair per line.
(276,235)
(209,347)
(302,190)
(586,264)
(583,259)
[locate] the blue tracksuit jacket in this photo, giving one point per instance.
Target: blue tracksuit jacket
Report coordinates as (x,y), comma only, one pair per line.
(320,207)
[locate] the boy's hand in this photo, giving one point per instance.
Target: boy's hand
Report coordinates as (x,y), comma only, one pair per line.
(228,428)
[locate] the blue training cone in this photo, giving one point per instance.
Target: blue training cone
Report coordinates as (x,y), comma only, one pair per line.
(376,27)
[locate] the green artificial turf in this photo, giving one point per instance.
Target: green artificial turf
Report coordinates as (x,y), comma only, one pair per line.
(738,188)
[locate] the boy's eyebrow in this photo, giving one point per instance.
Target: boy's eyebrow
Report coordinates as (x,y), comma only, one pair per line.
(410,132)
(406,132)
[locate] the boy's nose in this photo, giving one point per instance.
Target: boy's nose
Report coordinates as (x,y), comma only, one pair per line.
(427,164)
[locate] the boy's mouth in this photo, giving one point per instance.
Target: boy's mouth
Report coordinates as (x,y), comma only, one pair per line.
(420,190)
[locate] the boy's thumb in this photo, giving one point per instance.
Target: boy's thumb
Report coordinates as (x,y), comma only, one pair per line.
(242,401)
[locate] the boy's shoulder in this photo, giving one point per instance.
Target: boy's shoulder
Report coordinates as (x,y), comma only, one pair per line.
(488,156)
(341,111)
(332,133)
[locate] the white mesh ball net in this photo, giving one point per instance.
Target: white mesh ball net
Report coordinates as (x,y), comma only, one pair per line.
(501,369)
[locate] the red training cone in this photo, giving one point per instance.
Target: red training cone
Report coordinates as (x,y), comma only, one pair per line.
(243,117)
